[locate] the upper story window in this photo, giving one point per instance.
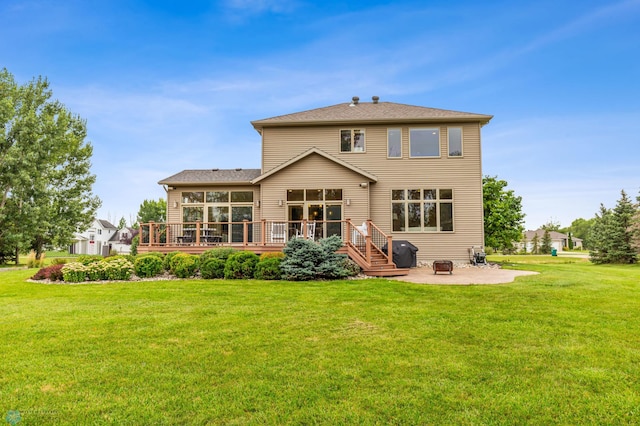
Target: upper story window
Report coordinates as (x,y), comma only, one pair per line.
(455,141)
(352,140)
(424,142)
(394,143)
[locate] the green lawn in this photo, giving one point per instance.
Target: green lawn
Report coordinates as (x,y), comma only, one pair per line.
(562,347)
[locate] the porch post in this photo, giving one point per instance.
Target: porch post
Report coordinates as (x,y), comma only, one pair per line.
(151,233)
(198,224)
(389,249)
(304,228)
(347,238)
(263,231)
(245,232)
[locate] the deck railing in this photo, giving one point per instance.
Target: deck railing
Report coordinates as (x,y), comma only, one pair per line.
(362,240)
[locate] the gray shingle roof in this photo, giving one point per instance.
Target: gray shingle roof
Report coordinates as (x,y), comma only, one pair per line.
(106,224)
(231,176)
(369,112)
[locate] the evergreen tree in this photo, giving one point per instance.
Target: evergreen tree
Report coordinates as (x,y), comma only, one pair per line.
(545,248)
(611,234)
(535,244)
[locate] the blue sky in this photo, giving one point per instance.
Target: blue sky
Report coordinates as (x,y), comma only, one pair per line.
(172,85)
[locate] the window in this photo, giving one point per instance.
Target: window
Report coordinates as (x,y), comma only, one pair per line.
(455,141)
(424,142)
(394,143)
(193,197)
(422,210)
(352,140)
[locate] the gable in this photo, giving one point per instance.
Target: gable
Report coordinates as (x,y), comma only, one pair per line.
(327,157)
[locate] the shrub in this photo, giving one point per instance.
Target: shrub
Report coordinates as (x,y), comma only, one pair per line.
(212,268)
(166,263)
(184,265)
(352,268)
(32,262)
(59,260)
(86,259)
(118,269)
(272,254)
(241,265)
(221,253)
(135,241)
(53,273)
(269,268)
(74,272)
(95,271)
(307,260)
(148,266)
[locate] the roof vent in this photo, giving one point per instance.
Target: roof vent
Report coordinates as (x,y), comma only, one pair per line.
(375,99)
(354,101)
(238,169)
(214,170)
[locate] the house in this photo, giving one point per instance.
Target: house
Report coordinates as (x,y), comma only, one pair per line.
(559,241)
(121,240)
(95,240)
(397,171)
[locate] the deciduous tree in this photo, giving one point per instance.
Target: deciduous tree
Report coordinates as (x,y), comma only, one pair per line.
(152,211)
(45,179)
(503,217)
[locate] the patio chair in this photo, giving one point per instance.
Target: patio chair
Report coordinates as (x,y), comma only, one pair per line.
(278,232)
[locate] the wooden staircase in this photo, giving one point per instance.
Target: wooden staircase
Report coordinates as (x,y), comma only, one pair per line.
(364,248)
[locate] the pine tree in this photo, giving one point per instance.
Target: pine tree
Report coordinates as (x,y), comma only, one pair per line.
(535,244)
(612,232)
(545,248)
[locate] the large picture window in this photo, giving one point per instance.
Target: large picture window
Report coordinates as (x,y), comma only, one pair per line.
(424,142)
(352,140)
(216,209)
(422,210)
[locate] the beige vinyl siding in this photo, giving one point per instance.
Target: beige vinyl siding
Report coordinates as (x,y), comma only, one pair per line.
(462,174)
(315,172)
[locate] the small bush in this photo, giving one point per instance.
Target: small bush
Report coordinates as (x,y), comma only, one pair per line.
(184,265)
(135,241)
(307,260)
(74,272)
(148,266)
(268,269)
(86,259)
(212,268)
(221,253)
(352,268)
(271,255)
(95,271)
(166,262)
(241,265)
(32,262)
(118,269)
(53,273)
(59,260)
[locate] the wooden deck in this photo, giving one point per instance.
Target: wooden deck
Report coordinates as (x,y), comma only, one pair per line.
(363,246)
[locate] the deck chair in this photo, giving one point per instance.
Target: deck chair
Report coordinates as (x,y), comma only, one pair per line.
(278,232)
(311,230)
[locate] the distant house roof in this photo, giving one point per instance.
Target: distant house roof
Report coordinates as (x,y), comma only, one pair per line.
(371,113)
(208,176)
(329,157)
(553,234)
(106,224)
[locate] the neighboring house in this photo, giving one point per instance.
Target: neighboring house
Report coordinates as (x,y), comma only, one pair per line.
(95,240)
(414,171)
(121,240)
(559,241)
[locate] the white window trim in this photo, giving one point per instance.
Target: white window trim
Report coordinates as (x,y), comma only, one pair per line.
(437,201)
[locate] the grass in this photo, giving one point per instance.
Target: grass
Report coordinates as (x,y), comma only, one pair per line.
(561,347)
